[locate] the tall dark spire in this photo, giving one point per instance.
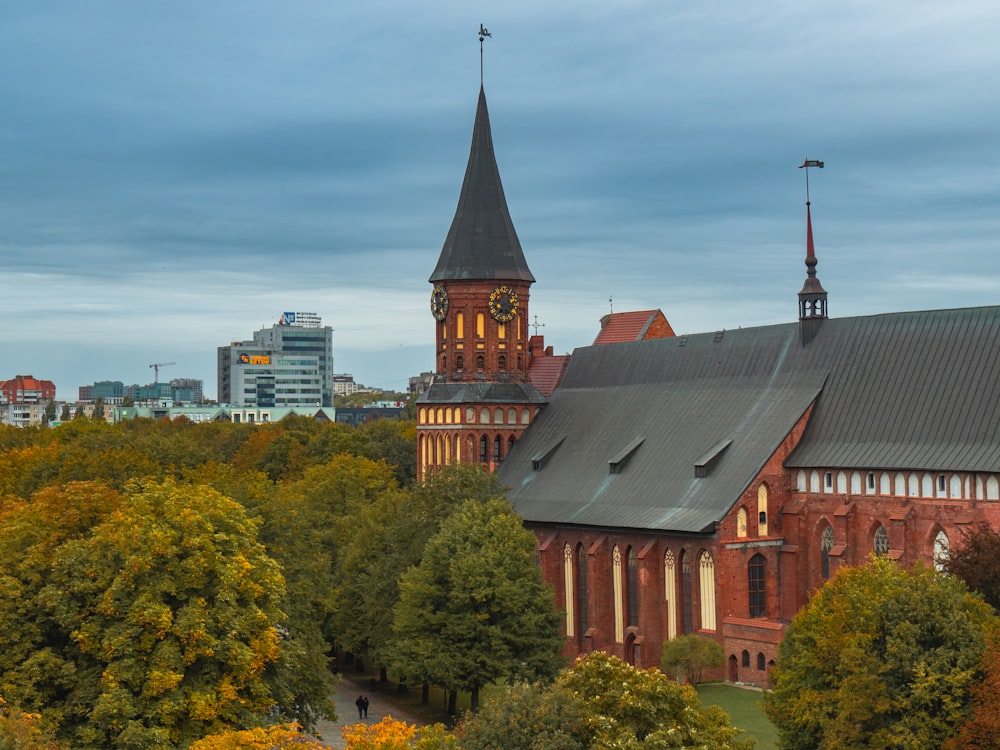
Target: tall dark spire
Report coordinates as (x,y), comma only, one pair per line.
(482,243)
(812,298)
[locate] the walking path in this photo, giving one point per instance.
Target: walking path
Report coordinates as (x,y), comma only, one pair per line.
(347,713)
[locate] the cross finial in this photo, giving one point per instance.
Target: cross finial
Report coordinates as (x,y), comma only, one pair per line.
(611,305)
(536,325)
(483,33)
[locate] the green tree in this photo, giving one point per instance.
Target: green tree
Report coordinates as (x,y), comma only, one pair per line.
(976,560)
(527,716)
(879,657)
(688,655)
(387,539)
(154,622)
(636,709)
(981,731)
(64,414)
(475,610)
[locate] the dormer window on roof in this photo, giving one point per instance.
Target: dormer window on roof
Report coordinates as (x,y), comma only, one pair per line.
(709,457)
(617,462)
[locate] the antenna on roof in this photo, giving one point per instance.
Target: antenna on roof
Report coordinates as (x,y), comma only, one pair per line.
(483,33)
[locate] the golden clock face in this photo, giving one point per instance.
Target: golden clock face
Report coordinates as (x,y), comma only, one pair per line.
(503,304)
(439,303)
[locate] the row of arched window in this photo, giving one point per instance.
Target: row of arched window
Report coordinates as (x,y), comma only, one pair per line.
(441,449)
(480,362)
(474,415)
(481,322)
(679,590)
(901,484)
(940,546)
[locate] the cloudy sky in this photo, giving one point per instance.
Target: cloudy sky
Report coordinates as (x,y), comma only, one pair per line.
(174,175)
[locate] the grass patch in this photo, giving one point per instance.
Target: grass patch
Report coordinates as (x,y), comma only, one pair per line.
(745,708)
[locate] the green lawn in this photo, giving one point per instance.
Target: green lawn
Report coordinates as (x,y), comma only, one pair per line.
(745,708)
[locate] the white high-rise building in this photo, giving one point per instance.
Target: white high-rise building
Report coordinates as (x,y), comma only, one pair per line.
(288,364)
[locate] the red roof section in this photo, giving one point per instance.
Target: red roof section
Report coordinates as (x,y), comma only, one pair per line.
(618,328)
(15,388)
(546,371)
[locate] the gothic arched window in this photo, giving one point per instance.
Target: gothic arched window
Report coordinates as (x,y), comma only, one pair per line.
(632,585)
(756,585)
(881,542)
(825,545)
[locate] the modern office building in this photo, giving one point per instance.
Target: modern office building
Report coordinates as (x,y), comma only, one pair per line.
(287,364)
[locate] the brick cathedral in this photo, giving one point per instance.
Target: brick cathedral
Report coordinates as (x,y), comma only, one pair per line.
(706,483)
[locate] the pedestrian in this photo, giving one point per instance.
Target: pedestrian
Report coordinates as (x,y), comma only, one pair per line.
(366,707)
(362,704)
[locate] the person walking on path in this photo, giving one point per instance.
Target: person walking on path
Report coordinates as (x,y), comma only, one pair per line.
(364,706)
(360,703)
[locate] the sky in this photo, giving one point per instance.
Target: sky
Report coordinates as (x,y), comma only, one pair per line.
(175,175)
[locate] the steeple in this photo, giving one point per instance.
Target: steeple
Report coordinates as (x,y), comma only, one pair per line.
(482,243)
(812,298)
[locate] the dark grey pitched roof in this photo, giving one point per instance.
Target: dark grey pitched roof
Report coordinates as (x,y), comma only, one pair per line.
(918,390)
(473,393)
(482,243)
(907,390)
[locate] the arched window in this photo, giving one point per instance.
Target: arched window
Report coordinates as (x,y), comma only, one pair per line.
(881,542)
(746,658)
(686,601)
(757,586)
(459,326)
(942,550)
(741,523)
(569,591)
(762,510)
(480,325)
(480,362)
(632,579)
(617,586)
(825,545)
(484,448)
(761,662)
(706,581)
(444,363)
(459,362)
(502,361)
(670,592)
(581,589)
(497,444)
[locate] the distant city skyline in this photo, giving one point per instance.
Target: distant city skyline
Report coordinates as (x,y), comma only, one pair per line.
(178,174)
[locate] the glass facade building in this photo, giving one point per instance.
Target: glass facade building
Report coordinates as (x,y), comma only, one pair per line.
(287,364)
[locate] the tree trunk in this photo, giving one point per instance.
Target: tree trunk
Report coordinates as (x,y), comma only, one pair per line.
(425,693)
(474,700)
(452,702)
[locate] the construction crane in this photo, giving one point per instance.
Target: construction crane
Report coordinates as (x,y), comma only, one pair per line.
(156,369)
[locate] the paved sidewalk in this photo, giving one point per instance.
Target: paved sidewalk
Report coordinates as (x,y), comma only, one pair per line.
(347,713)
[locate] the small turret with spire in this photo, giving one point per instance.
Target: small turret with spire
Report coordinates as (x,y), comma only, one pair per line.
(812,298)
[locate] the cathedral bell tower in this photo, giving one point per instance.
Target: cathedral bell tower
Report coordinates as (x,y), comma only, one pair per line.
(480,401)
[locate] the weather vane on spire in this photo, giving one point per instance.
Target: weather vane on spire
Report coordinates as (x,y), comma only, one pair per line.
(483,33)
(806,164)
